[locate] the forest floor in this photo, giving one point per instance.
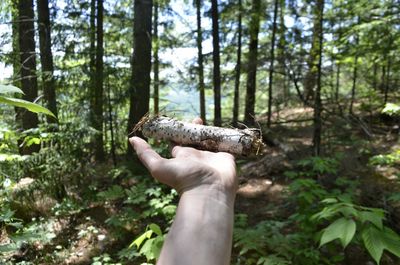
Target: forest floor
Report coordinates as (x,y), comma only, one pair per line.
(83,235)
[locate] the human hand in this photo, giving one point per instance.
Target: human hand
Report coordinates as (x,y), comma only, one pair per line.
(190,171)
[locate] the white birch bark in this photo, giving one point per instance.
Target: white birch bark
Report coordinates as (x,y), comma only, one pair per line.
(239,142)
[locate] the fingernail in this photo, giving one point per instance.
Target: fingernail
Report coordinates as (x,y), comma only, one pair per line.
(133,141)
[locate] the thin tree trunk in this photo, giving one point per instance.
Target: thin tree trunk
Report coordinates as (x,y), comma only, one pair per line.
(271,65)
(110,122)
(310,79)
(252,64)
(98,97)
(15,45)
(387,86)
(200,62)
(29,85)
(337,82)
(216,60)
(156,59)
(141,64)
(382,84)
(354,85)
(281,53)
(46,58)
(375,74)
(317,103)
(238,68)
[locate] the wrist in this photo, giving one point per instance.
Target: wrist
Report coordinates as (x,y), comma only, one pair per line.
(210,192)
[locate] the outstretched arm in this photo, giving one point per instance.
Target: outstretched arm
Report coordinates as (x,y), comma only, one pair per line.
(202,230)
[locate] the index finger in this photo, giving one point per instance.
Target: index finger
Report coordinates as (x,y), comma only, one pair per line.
(146,154)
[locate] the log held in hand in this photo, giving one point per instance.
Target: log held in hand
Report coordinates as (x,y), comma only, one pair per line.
(239,142)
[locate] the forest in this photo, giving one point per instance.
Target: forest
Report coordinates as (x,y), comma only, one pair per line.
(318,79)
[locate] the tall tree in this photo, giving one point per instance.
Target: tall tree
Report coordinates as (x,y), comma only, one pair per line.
(216,60)
(156,64)
(318,31)
(355,70)
(238,67)
(252,63)
(200,62)
(46,57)
(15,44)
(97,121)
(26,39)
(310,79)
(271,64)
(141,63)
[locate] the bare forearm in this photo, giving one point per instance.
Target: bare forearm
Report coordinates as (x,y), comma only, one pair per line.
(201,232)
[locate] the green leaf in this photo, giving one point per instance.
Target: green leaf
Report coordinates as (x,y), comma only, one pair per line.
(4,89)
(329,200)
(391,241)
(156,229)
(138,241)
(33,107)
(373,217)
(372,241)
(147,249)
(343,229)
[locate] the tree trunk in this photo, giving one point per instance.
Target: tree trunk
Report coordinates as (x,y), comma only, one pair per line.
(354,84)
(141,64)
(271,64)
(156,60)
(317,103)
(98,93)
(387,86)
(15,45)
(28,68)
(238,68)
(355,69)
(216,60)
(281,47)
(46,58)
(110,122)
(200,62)
(252,63)
(311,77)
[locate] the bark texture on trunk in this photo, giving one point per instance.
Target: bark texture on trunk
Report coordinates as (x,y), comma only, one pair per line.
(238,68)
(141,63)
(249,113)
(271,64)
(317,103)
(26,39)
(156,65)
(200,62)
(216,60)
(46,58)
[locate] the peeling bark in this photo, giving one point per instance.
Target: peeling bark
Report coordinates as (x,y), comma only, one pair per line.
(239,142)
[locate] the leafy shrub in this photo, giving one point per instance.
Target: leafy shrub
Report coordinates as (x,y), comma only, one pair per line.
(349,218)
(386,160)
(391,109)
(150,242)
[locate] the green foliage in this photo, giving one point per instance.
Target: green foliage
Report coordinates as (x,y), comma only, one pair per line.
(367,221)
(386,160)
(104,259)
(33,107)
(258,242)
(320,165)
(391,109)
(150,242)
(115,192)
